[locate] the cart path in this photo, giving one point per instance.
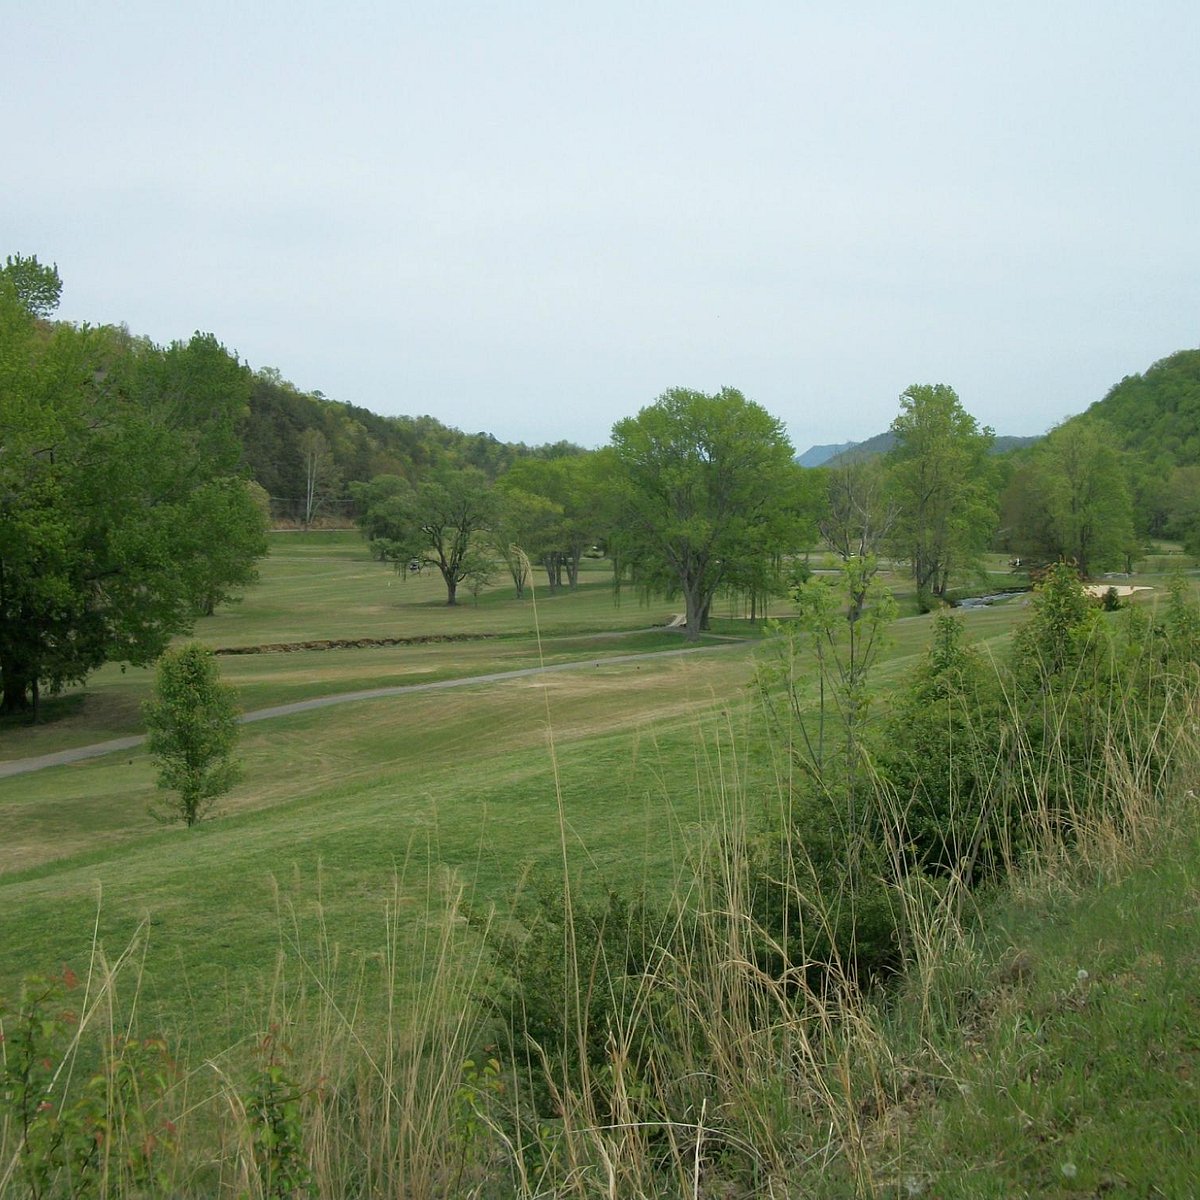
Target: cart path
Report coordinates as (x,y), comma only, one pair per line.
(22,766)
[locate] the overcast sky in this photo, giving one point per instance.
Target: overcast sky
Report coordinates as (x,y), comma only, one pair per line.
(533,218)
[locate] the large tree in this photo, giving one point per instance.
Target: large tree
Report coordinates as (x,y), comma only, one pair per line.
(703,484)
(939,477)
(118,475)
(321,479)
(570,484)
(438,522)
(1071,500)
(526,527)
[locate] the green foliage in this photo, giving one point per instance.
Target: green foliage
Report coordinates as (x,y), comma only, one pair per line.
(838,635)
(1181,624)
(322,483)
(569,976)
(858,514)
(437,522)
(36,288)
(193,728)
(1072,500)
(525,528)
(937,752)
(1157,413)
(939,480)
(361,444)
(703,486)
(823,899)
(274,1107)
(123,515)
(550,509)
(823,893)
(1181,507)
(1062,633)
(93,1133)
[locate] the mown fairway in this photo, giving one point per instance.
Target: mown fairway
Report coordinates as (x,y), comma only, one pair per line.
(339,803)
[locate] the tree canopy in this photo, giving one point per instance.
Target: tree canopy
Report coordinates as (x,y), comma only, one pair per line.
(704,486)
(939,481)
(1156,413)
(118,476)
(436,522)
(37,288)
(1071,499)
(192,723)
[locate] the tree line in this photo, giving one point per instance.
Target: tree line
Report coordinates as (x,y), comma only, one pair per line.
(133,484)
(699,494)
(124,508)
(308,451)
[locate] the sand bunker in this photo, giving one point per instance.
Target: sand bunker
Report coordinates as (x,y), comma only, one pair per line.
(1122,589)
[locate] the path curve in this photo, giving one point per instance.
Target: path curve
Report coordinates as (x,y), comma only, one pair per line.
(23,766)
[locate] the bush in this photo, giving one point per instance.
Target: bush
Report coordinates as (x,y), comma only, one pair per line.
(937,755)
(569,975)
(823,901)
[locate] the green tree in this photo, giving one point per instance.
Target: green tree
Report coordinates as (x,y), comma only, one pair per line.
(36,288)
(1072,501)
(570,486)
(1158,413)
(241,510)
(701,484)
(438,522)
(1182,503)
(837,636)
(525,527)
(118,478)
(858,514)
(192,721)
(939,480)
(938,751)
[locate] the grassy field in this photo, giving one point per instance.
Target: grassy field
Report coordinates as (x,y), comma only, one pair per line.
(349,819)
(335,802)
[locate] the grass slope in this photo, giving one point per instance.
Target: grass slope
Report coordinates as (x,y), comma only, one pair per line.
(1070,1064)
(335,803)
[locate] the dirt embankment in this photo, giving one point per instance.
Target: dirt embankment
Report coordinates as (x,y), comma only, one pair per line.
(353,643)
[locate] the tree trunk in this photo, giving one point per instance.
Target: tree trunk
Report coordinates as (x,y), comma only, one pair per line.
(696,610)
(16,688)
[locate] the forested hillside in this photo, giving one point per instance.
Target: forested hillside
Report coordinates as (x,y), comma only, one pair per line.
(1128,468)
(306,449)
(1158,414)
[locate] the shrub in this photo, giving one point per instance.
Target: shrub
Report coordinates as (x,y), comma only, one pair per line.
(937,755)
(569,974)
(823,900)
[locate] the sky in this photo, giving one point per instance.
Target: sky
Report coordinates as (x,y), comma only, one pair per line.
(532,219)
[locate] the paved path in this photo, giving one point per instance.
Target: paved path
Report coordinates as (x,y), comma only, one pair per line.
(22,766)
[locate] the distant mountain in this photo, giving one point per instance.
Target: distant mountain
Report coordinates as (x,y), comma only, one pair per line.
(881,443)
(814,456)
